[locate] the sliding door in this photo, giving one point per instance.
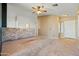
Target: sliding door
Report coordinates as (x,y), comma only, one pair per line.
(70,29)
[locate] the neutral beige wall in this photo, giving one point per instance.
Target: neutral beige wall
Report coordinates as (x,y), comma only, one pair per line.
(48,26)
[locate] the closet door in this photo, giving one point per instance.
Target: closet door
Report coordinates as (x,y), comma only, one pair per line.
(70,29)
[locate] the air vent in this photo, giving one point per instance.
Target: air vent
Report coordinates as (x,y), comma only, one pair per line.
(55,5)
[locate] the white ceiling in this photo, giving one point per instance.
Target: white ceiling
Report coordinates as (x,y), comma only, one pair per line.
(62,8)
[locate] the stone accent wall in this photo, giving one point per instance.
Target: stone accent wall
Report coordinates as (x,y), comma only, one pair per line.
(13,33)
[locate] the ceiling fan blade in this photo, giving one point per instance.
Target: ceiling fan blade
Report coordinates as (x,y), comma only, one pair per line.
(38,7)
(43,10)
(33,7)
(34,10)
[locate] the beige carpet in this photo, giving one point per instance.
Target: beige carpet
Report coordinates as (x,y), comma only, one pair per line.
(42,47)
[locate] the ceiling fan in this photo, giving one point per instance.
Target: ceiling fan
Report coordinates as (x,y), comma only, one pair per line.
(38,9)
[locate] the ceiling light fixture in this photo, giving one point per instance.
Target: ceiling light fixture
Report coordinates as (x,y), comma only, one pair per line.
(38,9)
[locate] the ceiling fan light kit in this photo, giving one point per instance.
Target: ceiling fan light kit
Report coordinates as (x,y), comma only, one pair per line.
(38,9)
